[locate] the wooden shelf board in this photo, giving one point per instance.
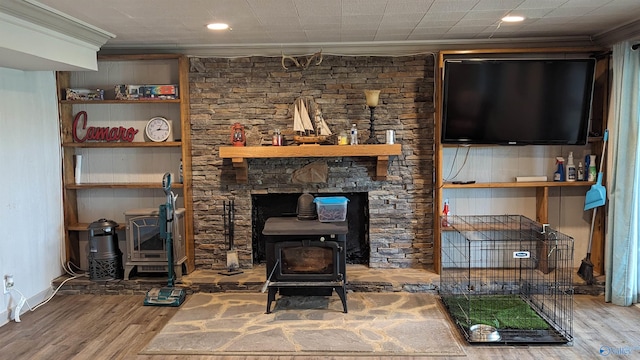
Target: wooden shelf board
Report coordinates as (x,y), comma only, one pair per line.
(123,144)
(240,154)
(141,101)
(136,185)
(252,152)
(514,184)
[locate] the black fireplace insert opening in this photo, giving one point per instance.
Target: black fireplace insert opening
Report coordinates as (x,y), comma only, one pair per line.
(265,206)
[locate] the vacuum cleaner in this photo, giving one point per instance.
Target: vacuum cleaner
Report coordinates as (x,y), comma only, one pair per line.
(168,295)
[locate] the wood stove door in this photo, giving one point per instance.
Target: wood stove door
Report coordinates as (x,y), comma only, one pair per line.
(308,260)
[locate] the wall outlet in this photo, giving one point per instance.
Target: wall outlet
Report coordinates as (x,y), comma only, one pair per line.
(8,283)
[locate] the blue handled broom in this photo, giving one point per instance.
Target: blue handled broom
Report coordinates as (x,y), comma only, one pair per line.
(596,197)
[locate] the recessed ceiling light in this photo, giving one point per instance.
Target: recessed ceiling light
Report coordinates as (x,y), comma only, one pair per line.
(218,26)
(512,18)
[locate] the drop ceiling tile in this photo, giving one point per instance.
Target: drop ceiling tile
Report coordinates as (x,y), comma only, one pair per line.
(328,21)
(581,3)
(570,11)
(286,36)
(325,8)
(358,33)
(485,14)
(272,8)
(363,7)
(530,13)
(452,6)
(408,7)
(466,29)
(454,15)
(473,22)
(540,4)
(322,35)
(282,22)
(497,4)
(391,37)
(373,20)
(431,30)
(403,19)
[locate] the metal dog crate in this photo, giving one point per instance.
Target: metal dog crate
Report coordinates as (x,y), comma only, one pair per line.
(506,279)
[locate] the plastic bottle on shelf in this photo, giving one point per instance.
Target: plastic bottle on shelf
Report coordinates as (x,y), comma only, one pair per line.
(571,169)
(354,134)
(445,214)
(580,173)
(559,174)
(593,173)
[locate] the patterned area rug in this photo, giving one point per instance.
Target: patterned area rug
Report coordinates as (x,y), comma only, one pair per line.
(377,324)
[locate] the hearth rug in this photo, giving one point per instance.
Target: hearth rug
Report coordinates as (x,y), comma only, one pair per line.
(377,324)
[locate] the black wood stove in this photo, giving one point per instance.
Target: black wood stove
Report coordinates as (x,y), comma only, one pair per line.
(305,257)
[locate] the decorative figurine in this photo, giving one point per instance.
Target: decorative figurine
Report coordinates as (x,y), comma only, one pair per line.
(237,135)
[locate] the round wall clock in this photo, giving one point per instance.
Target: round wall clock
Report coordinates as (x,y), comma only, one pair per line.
(158,129)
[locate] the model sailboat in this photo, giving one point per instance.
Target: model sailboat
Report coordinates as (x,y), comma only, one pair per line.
(307,131)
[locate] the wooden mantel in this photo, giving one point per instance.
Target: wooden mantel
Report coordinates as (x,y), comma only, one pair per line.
(240,154)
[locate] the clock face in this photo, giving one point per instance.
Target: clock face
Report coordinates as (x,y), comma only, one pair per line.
(158,129)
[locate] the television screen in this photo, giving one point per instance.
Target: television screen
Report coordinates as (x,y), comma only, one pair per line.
(517,101)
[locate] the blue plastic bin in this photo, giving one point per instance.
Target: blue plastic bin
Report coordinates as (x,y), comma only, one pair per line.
(331,208)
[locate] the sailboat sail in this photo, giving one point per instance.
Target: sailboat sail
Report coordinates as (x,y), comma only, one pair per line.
(297,120)
(306,120)
(323,128)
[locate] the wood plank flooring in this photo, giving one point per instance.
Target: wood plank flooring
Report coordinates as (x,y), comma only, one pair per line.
(118,327)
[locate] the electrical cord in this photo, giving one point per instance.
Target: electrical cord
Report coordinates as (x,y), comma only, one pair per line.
(49,298)
(455,157)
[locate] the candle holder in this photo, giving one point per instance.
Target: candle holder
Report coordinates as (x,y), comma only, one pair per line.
(372,101)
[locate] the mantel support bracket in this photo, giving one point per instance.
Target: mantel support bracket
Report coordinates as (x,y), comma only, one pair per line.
(381,167)
(242,170)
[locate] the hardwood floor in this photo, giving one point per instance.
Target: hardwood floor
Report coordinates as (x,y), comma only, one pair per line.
(118,327)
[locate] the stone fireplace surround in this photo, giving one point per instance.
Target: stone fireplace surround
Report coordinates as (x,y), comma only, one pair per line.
(258,93)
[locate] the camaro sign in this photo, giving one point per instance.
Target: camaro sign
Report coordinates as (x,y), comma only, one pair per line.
(92,133)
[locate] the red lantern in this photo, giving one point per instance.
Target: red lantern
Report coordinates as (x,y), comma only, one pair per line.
(237,135)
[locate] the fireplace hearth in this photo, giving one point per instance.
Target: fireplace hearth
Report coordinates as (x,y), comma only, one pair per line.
(305,257)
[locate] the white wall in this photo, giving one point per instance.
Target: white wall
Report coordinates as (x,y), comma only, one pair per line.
(503,164)
(30,186)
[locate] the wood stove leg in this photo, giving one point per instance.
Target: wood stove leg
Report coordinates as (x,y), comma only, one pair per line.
(343,296)
(271,297)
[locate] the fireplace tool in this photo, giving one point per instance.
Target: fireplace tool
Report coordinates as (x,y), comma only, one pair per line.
(168,295)
(228,213)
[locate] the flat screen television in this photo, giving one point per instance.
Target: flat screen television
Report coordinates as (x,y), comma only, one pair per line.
(517,101)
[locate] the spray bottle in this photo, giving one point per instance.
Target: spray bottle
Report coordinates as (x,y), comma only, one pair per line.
(445,214)
(571,169)
(559,174)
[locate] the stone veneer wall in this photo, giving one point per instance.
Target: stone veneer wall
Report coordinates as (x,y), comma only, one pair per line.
(258,93)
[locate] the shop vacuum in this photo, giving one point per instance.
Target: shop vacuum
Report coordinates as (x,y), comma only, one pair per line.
(168,295)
